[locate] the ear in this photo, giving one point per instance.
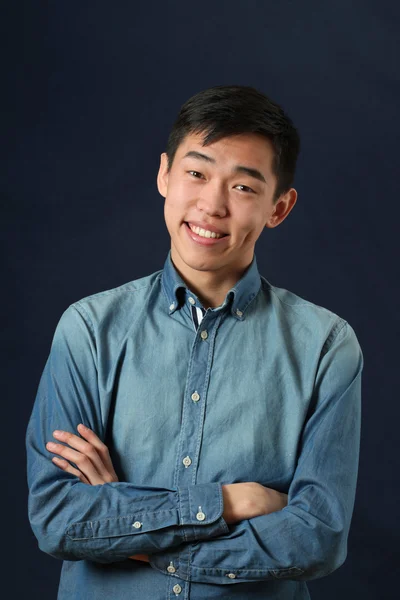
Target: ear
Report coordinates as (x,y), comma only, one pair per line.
(282,208)
(162,177)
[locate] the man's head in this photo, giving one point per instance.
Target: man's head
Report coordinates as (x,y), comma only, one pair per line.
(223,111)
(226,174)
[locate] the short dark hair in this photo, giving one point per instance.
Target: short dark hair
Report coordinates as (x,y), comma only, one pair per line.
(226,110)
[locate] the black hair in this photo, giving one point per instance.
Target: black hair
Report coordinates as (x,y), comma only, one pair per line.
(226,110)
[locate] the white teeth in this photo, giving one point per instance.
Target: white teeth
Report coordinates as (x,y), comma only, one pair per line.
(205,232)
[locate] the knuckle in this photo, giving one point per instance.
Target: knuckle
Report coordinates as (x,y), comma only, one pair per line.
(92,454)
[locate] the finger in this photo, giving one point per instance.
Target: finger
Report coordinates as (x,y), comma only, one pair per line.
(143,557)
(85,449)
(82,461)
(100,446)
(65,466)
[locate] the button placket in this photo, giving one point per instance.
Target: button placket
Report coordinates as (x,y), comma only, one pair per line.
(193,412)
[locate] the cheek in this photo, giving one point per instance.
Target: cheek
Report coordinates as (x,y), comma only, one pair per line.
(179,202)
(249,226)
(174,210)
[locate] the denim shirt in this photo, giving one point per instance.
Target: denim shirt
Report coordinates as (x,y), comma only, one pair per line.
(267,389)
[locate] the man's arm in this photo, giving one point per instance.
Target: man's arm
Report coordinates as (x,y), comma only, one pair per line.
(308,538)
(94,467)
(102,523)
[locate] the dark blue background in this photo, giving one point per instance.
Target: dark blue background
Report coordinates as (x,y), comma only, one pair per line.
(90,92)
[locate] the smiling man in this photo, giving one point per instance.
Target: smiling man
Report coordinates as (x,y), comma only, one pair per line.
(218,201)
(206,421)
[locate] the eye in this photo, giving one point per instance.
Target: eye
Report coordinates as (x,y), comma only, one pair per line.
(196,174)
(245,188)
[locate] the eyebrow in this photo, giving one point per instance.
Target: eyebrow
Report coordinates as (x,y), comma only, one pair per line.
(237,169)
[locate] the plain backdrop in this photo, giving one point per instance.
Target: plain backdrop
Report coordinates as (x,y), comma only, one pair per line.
(89,93)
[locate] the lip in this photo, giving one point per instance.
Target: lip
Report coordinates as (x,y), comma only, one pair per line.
(206,226)
(202,240)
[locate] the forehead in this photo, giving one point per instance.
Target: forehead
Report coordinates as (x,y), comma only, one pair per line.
(247,148)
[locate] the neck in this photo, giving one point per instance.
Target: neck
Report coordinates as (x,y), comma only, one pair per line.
(210,287)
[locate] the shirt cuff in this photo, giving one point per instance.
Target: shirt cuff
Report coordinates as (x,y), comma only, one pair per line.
(200,511)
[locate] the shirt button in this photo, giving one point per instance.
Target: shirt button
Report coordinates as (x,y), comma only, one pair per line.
(137,525)
(187,461)
(177,589)
(204,335)
(172,306)
(200,516)
(231,575)
(192,300)
(195,397)
(239,313)
(171,568)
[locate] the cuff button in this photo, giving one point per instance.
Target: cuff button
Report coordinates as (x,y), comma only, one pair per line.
(200,515)
(137,525)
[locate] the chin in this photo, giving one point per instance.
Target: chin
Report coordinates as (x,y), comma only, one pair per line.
(200,263)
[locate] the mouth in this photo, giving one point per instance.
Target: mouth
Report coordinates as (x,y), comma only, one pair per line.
(205,233)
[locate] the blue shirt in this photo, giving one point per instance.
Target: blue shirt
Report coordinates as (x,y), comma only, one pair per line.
(267,389)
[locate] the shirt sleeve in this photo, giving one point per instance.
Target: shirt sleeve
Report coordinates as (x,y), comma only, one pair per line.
(308,538)
(102,523)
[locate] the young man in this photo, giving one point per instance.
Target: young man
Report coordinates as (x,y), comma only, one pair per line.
(220,453)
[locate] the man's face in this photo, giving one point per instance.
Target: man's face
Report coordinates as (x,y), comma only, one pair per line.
(218,199)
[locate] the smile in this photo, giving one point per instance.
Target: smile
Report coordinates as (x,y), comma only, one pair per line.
(205,232)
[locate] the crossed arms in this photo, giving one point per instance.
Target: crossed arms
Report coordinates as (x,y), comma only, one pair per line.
(304,539)
(241,500)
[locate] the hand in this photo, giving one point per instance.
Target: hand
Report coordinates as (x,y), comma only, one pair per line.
(251,499)
(91,456)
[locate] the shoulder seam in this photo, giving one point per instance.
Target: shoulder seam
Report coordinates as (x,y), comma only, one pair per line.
(335,331)
(303,302)
(120,289)
(84,316)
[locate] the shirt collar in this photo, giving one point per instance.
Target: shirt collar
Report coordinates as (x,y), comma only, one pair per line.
(238,297)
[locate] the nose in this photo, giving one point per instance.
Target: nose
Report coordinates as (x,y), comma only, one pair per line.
(212,200)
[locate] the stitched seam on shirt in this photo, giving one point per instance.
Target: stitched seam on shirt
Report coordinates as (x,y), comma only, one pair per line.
(180,514)
(164,290)
(189,502)
(235,570)
(204,394)
(84,316)
(245,307)
(184,411)
(304,302)
(334,334)
(125,517)
(121,289)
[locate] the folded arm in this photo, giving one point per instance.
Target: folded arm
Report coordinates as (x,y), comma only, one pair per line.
(94,467)
(107,522)
(307,539)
